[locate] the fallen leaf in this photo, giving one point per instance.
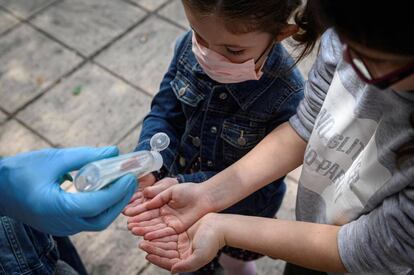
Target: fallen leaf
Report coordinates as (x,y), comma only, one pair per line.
(77,90)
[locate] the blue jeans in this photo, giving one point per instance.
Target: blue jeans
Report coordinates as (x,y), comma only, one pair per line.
(24,250)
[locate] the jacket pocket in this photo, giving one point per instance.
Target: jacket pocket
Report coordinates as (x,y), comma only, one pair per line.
(185,91)
(239,138)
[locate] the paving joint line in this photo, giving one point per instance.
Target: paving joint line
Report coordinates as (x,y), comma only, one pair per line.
(85,59)
(162,17)
(45,139)
(130,131)
(148,264)
(22,20)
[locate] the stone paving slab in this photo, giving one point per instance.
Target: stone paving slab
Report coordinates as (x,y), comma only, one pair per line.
(88,25)
(146,54)
(6,21)
(150,5)
(30,63)
(175,12)
(129,143)
(91,107)
(3,117)
(155,270)
(113,251)
(25,8)
(15,138)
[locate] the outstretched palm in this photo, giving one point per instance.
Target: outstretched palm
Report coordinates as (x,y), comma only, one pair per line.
(187,251)
(169,213)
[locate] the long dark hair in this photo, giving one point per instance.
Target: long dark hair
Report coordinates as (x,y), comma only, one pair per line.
(380,25)
(241,16)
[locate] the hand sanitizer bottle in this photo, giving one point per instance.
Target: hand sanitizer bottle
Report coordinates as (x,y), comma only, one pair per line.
(98,174)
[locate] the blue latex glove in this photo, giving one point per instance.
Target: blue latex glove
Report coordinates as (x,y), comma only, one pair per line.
(30,191)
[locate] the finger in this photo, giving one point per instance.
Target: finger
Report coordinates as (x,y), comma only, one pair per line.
(137,195)
(151,249)
(72,159)
(104,219)
(133,204)
(165,245)
(145,216)
(141,231)
(161,262)
(159,200)
(147,180)
(171,238)
(152,191)
(91,204)
(159,233)
(136,202)
(136,210)
(147,223)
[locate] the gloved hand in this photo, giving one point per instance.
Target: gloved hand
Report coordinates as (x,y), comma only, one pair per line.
(30,191)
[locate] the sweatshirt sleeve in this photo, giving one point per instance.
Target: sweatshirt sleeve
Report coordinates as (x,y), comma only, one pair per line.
(383,239)
(317,85)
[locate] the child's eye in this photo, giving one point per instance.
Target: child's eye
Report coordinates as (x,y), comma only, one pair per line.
(233,52)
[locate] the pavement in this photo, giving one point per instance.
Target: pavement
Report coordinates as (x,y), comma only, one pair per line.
(77,73)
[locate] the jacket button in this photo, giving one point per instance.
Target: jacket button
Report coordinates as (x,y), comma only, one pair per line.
(241,141)
(182,162)
(181,92)
(196,142)
(213,130)
(210,163)
(223,96)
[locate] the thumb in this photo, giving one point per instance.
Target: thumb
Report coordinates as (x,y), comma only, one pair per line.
(90,204)
(159,200)
(152,191)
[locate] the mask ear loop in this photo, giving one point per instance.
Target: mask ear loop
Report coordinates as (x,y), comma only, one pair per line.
(266,52)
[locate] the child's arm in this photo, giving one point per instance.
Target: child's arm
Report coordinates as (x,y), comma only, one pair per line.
(196,177)
(309,245)
(276,155)
(166,114)
(283,149)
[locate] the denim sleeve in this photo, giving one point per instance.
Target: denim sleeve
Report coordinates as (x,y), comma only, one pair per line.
(197,177)
(287,109)
(166,114)
(317,86)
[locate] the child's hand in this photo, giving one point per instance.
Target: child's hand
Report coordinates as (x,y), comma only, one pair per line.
(148,189)
(170,212)
(150,192)
(138,197)
(189,250)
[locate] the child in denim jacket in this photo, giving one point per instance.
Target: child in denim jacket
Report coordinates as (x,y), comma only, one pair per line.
(230,83)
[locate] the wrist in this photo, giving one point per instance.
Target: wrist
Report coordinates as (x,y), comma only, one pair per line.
(208,199)
(218,224)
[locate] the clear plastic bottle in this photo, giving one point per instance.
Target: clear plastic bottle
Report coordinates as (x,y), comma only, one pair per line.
(98,174)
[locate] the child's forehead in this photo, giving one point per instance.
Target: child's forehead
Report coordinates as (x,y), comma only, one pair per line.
(214,29)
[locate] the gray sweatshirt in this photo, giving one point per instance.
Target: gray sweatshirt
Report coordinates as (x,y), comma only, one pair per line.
(350,175)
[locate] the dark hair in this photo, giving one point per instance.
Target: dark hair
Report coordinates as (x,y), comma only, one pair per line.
(242,16)
(378,25)
(406,152)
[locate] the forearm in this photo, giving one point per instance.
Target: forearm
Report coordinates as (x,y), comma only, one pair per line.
(309,245)
(278,154)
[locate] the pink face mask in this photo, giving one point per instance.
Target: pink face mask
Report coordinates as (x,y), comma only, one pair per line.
(221,69)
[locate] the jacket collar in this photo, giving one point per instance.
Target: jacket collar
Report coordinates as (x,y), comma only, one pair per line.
(246,93)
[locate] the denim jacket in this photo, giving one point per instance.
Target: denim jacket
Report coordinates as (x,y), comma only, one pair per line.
(212,125)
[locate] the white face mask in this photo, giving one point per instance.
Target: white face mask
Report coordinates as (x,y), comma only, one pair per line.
(222,70)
